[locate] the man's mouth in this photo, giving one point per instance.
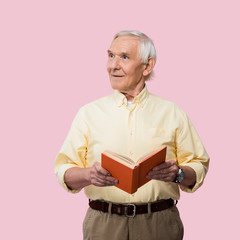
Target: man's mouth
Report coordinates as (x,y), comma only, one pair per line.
(118,76)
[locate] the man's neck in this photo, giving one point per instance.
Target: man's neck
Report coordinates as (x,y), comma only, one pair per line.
(130,95)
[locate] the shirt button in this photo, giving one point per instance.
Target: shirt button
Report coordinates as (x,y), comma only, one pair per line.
(131,153)
(131,133)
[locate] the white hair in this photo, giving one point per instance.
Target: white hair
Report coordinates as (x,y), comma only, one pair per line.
(146,47)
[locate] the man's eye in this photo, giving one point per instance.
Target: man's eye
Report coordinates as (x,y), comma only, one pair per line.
(125,57)
(111,55)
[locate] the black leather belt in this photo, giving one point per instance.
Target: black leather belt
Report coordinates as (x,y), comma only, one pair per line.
(130,210)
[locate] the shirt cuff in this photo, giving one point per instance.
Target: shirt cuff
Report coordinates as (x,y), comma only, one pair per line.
(60,175)
(200,175)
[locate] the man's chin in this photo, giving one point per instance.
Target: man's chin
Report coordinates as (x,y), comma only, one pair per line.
(116,86)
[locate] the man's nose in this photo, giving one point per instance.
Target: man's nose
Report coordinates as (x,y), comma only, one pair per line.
(115,63)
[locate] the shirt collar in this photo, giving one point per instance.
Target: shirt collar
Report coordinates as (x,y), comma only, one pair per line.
(140,99)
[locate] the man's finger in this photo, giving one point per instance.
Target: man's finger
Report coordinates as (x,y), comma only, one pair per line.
(101,170)
(108,181)
(164,165)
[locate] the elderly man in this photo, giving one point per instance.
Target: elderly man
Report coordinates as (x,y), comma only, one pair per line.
(131,122)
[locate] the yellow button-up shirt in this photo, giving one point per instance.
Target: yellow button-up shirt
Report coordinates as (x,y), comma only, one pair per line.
(146,126)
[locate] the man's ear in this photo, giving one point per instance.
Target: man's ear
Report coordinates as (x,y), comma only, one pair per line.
(149,66)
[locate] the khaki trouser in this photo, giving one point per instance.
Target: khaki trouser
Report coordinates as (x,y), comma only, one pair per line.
(163,225)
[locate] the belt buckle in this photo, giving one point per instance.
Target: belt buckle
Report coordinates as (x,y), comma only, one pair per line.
(134,210)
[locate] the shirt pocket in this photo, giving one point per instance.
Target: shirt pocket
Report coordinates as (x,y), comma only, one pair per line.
(159,138)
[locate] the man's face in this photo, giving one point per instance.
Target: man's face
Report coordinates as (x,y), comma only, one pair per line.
(124,65)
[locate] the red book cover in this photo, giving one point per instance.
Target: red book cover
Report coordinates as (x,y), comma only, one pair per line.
(131,175)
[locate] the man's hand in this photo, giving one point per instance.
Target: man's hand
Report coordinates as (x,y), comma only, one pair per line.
(77,178)
(101,177)
(166,171)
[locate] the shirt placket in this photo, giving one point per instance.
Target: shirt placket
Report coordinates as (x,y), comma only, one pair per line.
(131,133)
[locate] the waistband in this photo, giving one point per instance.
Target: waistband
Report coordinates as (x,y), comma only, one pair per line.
(130,210)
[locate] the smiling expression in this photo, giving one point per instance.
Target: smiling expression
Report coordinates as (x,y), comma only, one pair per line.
(124,66)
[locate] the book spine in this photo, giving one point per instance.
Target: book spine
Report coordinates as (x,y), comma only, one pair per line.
(135,179)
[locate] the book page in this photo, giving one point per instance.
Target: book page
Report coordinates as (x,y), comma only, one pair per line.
(142,159)
(124,160)
(145,156)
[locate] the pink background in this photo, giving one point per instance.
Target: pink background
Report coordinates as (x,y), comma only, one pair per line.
(53,61)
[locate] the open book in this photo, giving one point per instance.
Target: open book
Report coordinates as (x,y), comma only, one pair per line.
(131,175)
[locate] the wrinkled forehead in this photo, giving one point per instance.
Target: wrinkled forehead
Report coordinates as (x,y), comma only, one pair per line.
(128,44)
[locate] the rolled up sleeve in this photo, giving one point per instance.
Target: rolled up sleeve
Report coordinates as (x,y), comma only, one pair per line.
(73,152)
(191,152)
